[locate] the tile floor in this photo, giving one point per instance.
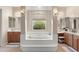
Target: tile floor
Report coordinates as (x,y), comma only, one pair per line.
(65,48)
(61,48)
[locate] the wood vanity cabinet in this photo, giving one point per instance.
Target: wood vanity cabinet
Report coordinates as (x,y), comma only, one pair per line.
(68,38)
(78,44)
(74,42)
(13,37)
(65,38)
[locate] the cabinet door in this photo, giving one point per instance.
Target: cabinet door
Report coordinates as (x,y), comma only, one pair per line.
(16,36)
(65,37)
(70,39)
(10,37)
(78,44)
(74,42)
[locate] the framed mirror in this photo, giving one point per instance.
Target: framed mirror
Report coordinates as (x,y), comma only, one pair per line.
(11,22)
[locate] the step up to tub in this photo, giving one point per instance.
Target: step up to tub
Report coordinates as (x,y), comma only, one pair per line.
(39,48)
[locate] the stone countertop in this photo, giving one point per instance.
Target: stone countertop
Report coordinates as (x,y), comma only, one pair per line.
(74,33)
(14,31)
(61,32)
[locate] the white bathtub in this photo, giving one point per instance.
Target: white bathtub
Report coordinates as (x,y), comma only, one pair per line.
(39,36)
(42,42)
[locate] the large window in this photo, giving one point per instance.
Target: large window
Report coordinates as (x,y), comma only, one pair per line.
(39,24)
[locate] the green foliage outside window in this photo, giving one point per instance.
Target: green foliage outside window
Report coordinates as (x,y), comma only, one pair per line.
(39,25)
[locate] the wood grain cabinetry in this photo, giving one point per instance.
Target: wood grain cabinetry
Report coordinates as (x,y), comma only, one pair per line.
(78,44)
(68,39)
(74,41)
(13,37)
(65,38)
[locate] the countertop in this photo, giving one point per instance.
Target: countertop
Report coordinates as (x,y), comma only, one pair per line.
(14,31)
(74,33)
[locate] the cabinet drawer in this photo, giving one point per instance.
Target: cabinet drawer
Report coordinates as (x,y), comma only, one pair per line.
(17,36)
(10,37)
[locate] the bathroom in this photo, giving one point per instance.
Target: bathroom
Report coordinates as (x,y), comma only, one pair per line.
(62,23)
(17,26)
(10,25)
(68,27)
(39,28)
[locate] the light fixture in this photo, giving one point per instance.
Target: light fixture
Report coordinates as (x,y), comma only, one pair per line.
(22,11)
(18,14)
(55,11)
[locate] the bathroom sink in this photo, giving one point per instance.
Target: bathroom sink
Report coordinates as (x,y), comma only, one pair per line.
(13,30)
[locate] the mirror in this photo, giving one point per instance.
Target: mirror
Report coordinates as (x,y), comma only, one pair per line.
(14,23)
(68,23)
(74,23)
(11,22)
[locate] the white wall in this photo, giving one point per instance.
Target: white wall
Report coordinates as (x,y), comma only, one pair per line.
(60,14)
(72,11)
(68,11)
(6,12)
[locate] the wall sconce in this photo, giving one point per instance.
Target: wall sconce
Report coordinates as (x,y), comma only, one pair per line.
(22,11)
(55,11)
(18,14)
